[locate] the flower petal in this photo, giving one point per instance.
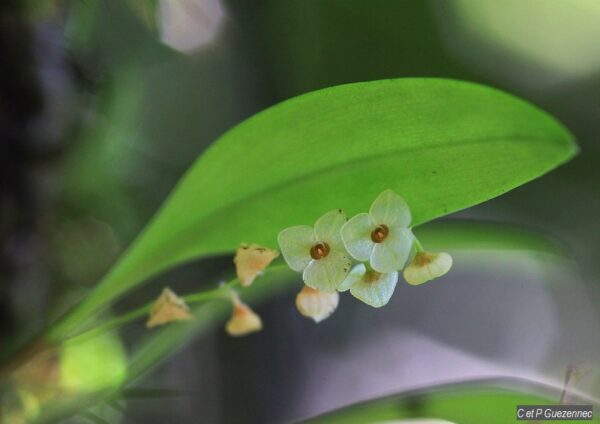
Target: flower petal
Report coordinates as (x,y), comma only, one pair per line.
(440,265)
(377,292)
(353,277)
(327,273)
(295,244)
(392,253)
(356,234)
(327,228)
(426,266)
(390,209)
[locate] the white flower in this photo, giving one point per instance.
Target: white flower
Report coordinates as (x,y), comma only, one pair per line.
(316,304)
(372,287)
(381,236)
(426,266)
(318,253)
(243,320)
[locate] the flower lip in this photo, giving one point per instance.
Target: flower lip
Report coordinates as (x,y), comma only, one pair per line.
(380,233)
(424,258)
(319,251)
(371,276)
(427,266)
(369,286)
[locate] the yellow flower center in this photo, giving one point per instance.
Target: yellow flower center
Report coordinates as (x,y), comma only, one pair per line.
(380,233)
(319,250)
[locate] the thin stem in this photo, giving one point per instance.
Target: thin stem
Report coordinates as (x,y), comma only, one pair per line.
(418,245)
(118,321)
(221,292)
(111,324)
(204,296)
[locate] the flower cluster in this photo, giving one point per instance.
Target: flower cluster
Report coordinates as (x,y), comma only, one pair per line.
(378,244)
(363,255)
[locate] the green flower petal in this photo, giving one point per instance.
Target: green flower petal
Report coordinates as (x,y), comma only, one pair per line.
(327,228)
(392,253)
(353,277)
(390,209)
(327,273)
(295,244)
(375,293)
(356,234)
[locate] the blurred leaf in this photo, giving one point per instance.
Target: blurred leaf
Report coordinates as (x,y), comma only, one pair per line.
(93,418)
(145,394)
(59,411)
(311,40)
(92,364)
(444,145)
(86,248)
(455,234)
(490,402)
(485,36)
(130,41)
(146,11)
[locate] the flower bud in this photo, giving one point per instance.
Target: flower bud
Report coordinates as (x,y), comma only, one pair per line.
(426,266)
(168,307)
(243,321)
(316,304)
(251,260)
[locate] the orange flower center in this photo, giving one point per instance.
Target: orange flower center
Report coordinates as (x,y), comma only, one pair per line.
(319,250)
(380,233)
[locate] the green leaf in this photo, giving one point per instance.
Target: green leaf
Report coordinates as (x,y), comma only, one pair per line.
(484,401)
(443,145)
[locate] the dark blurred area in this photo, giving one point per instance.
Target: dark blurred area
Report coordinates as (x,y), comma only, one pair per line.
(105,104)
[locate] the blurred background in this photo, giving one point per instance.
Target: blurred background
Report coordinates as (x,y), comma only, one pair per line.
(105,103)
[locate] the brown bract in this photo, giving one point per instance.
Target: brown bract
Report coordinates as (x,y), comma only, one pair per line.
(168,307)
(243,321)
(251,260)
